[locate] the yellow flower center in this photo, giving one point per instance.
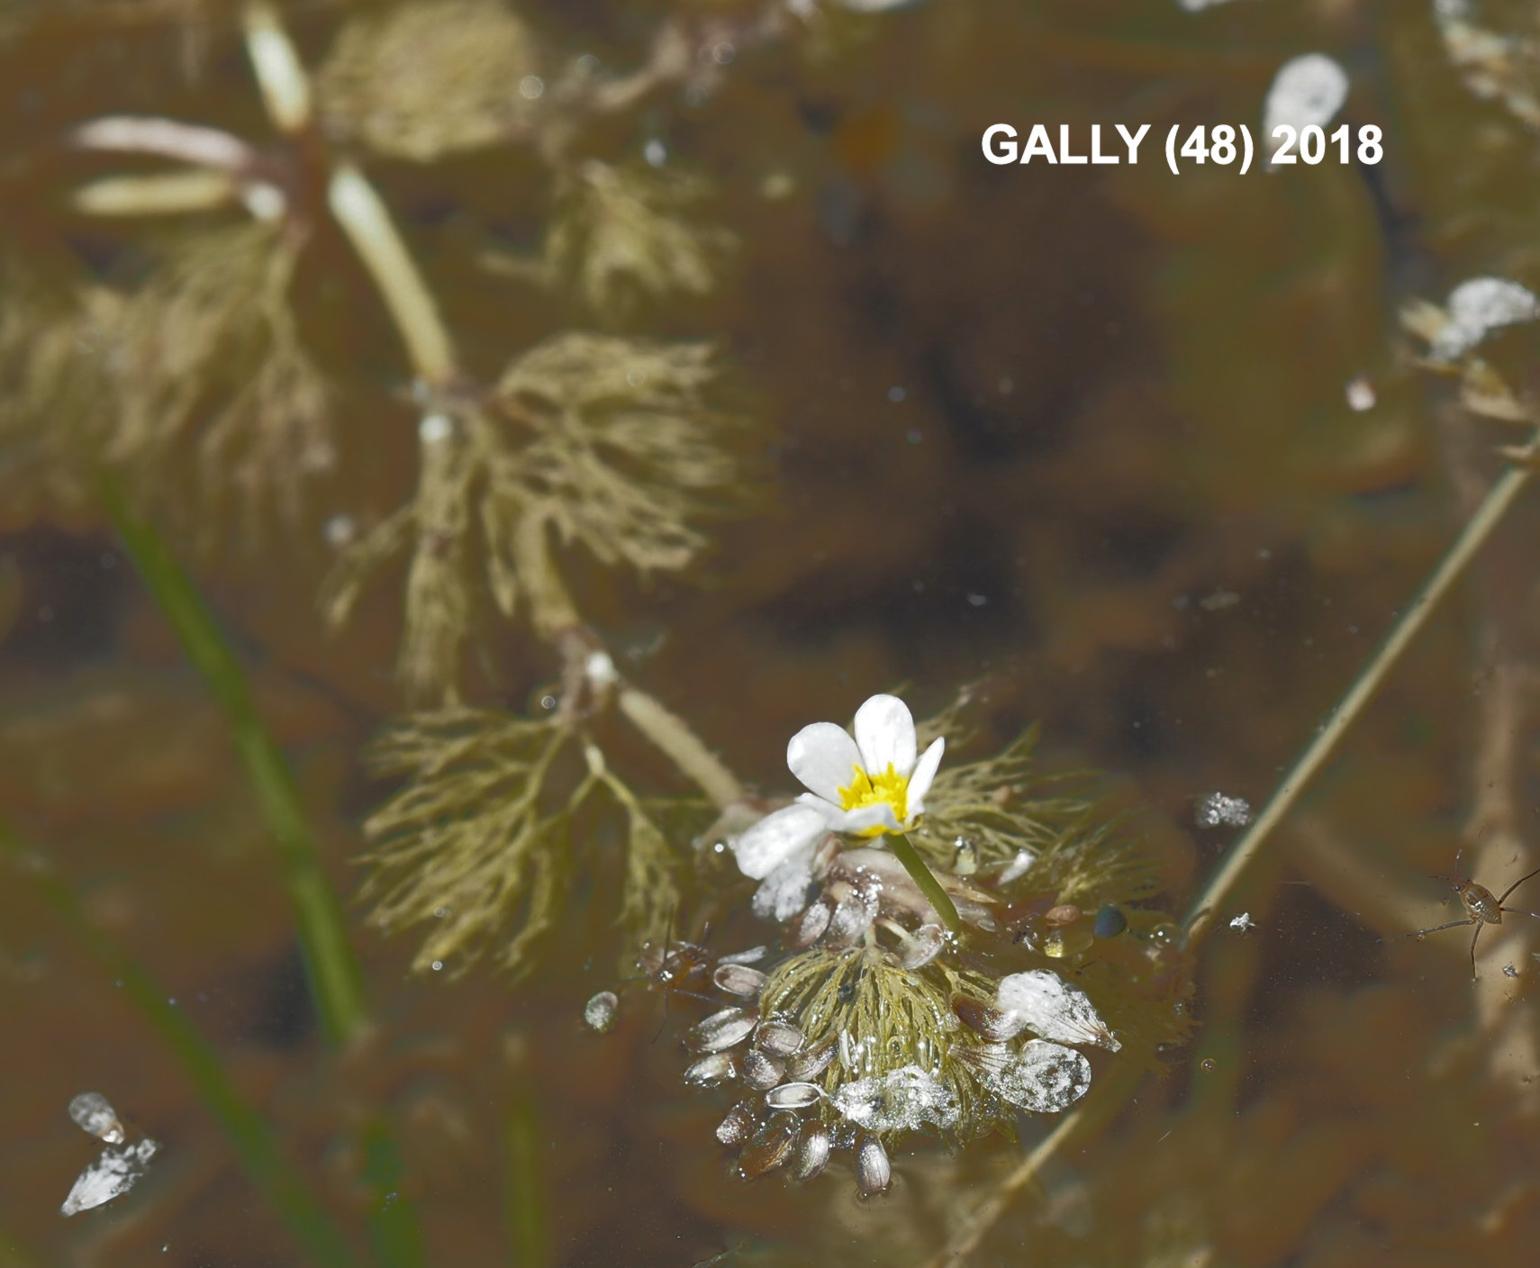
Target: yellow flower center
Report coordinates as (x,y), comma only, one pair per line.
(885,788)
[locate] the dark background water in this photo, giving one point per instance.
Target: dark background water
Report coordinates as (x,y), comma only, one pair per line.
(1078,434)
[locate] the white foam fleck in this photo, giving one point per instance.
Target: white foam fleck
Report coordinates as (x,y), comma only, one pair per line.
(1306,90)
(1360,393)
(1220,810)
(113,1174)
(1053,1009)
(905,1099)
(599,1012)
(1477,307)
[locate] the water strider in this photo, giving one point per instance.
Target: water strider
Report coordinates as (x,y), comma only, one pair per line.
(1482,908)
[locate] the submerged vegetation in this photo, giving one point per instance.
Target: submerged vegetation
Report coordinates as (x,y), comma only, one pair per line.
(444,351)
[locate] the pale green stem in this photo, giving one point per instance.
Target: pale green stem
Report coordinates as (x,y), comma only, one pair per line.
(922,876)
(354,202)
(367,223)
(673,738)
(1206,907)
(280,76)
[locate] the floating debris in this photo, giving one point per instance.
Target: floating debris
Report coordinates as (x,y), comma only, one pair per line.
(1360,394)
(1050,1007)
(1017,867)
(599,1012)
(1243,923)
(113,1174)
(1219,810)
(905,1099)
(1510,970)
(92,1112)
(1476,308)
(1308,90)
(1219,600)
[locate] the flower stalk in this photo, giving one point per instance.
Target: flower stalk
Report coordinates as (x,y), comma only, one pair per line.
(926,880)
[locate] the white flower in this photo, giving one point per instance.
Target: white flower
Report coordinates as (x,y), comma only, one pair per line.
(862,786)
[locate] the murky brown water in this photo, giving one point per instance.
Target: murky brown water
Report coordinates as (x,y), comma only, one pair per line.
(1079,435)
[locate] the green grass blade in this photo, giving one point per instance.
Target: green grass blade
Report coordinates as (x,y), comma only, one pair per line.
(335,981)
(525,1194)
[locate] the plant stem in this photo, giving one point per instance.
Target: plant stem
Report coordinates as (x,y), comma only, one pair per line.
(925,879)
(363,216)
(249,1135)
(335,982)
(673,737)
(1205,908)
(525,1198)
(354,202)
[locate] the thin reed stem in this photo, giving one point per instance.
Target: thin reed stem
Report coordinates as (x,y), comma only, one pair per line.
(252,1141)
(1206,907)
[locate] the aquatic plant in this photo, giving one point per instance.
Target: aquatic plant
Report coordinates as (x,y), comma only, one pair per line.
(481,841)
(909,999)
(623,234)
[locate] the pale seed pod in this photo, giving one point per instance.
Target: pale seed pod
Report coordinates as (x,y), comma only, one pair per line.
(812,1150)
(738,979)
(721,1030)
(779,1038)
(793,1096)
(873,1170)
(809,1063)
(739,1124)
(770,1147)
(925,946)
(812,925)
(711,1070)
(995,1024)
(762,1070)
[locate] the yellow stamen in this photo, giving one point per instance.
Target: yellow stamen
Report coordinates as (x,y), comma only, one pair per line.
(885,788)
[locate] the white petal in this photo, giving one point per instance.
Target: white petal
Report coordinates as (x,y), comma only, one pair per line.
(824,758)
(885,735)
(777,837)
(879,814)
(783,893)
(924,775)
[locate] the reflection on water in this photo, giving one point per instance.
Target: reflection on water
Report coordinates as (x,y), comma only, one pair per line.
(1151,461)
